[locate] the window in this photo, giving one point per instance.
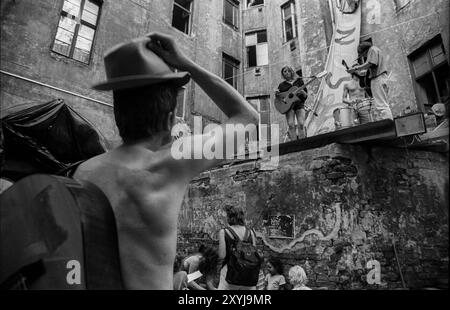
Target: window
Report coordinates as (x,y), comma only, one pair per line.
(289,21)
(251,3)
(181,103)
(400,4)
(257,49)
(181,18)
(76,29)
(230,70)
(231,13)
(261,104)
(431,73)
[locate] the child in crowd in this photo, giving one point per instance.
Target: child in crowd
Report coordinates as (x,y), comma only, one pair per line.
(298,278)
(275,279)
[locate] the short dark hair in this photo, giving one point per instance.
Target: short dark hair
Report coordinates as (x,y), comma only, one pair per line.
(235,215)
(363,47)
(142,112)
(208,265)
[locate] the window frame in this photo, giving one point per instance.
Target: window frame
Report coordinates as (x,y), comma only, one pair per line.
(191,13)
(254,6)
(294,21)
(79,22)
(236,6)
(425,49)
(183,117)
(268,112)
(236,64)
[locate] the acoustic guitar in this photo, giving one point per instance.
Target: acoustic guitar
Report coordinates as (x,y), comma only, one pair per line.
(284,101)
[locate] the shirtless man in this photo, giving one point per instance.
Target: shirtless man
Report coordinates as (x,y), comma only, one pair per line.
(143,182)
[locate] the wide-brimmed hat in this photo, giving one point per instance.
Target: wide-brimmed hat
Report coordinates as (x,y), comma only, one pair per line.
(133,64)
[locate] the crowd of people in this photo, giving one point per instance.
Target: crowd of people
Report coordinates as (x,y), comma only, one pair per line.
(216,269)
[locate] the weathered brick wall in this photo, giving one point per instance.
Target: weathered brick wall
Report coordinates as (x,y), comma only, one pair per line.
(349,203)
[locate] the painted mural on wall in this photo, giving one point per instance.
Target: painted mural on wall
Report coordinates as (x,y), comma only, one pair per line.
(280,226)
(346,207)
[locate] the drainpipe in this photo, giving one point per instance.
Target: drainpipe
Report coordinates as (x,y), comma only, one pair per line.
(398,263)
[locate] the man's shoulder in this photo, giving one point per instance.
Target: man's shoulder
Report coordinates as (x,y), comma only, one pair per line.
(89,166)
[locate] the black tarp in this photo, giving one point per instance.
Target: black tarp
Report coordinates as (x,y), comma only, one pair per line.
(47,138)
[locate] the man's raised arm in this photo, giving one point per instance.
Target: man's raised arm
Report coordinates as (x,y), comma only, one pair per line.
(228,99)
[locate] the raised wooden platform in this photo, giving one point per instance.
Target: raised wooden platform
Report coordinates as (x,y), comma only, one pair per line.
(381,133)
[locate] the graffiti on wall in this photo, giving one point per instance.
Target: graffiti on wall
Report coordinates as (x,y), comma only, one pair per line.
(321,235)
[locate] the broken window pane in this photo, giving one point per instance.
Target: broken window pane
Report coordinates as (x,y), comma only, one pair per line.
(257,49)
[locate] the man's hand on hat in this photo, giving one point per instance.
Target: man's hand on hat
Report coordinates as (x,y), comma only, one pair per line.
(165,47)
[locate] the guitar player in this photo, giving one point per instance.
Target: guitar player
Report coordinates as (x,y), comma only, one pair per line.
(297,110)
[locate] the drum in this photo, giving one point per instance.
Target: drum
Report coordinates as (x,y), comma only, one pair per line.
(364,110)
(344,117)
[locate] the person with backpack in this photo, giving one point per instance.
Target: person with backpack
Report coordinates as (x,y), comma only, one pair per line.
(237,247)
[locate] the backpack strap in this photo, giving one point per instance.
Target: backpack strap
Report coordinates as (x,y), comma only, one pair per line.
(233,235)
(247,235)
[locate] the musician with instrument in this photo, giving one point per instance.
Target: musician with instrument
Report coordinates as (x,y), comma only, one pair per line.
(377,71)
(297,110)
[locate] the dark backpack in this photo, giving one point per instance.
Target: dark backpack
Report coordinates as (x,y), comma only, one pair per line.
(244,260)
